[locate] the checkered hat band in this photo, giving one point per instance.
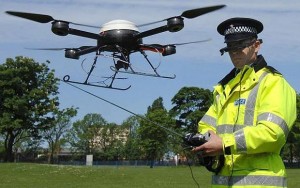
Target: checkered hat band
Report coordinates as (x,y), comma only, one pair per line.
(240,29)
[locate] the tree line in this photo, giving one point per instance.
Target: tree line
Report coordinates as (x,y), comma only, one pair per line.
(30,116)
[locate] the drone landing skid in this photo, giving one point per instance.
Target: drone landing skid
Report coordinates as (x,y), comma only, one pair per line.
(142,73)
(67,79)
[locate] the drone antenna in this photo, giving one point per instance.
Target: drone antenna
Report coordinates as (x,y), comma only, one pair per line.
(118,106)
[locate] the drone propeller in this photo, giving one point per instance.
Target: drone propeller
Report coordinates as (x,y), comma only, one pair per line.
(167,49)
(193,13)
(178,44)
(159,46)
(72,53)
(42,18)
(58,49)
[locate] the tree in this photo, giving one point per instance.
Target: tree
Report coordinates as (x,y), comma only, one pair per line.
(109,146)
(54,135)
(83,133)
(132,150)
(190,105)
(154,138)
(27,148)
(28,97)
(2,150)
(291,149)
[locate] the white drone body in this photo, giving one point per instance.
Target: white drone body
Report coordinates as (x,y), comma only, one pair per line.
(118,24)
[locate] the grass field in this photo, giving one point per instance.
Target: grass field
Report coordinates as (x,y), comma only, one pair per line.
(23,175)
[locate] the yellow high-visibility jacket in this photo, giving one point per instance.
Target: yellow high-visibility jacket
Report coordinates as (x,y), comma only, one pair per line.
(253,112)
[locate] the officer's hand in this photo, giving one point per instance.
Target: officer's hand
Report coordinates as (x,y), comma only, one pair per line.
(213,147)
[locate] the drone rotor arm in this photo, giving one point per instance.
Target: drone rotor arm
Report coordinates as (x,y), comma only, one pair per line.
(82,51)
(83,33)
(152,32)
(174,24)
(152,47)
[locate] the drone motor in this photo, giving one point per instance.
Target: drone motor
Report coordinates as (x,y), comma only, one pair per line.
(71,53)
(60,28)
(175,24)
(169,50)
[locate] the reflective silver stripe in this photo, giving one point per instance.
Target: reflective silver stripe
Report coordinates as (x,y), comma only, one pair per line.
(228,128)
(209,120)
(250,180)
(240,141)
(250,105)
(275,119)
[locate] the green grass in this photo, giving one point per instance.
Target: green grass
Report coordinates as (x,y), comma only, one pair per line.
(15,175)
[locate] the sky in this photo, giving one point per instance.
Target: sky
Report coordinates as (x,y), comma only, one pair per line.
(199,65)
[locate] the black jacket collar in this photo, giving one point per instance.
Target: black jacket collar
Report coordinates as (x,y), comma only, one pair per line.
(257,65)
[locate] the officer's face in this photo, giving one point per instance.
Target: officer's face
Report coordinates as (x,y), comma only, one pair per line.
(242,56)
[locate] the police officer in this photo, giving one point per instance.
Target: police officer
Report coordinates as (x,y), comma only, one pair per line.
(253,111)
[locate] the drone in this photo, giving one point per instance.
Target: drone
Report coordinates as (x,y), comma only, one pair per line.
(119,38)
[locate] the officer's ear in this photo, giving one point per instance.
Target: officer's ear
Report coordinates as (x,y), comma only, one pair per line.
(257,45)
